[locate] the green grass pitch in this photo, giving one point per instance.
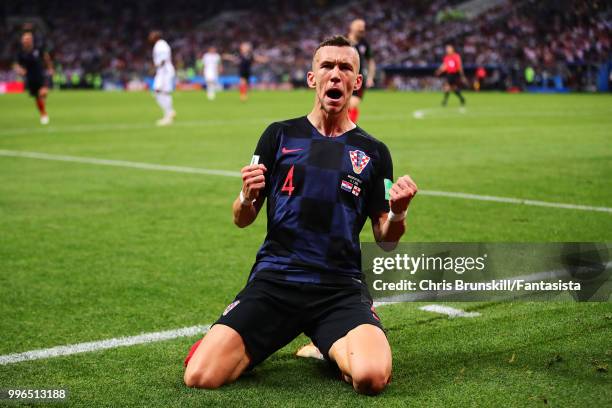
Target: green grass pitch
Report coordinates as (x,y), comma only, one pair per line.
(90,252)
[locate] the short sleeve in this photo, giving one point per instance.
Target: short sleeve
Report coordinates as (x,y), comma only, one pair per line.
(266,150)
(378,201)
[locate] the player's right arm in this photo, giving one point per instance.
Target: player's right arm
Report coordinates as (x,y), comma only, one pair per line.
(19,69)
(256,181)
(230,57)
(440,69)
(247,205)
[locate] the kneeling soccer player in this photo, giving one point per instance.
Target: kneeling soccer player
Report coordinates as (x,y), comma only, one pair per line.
(322,176)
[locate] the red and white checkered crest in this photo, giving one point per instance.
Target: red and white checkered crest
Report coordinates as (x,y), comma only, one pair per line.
(359,160)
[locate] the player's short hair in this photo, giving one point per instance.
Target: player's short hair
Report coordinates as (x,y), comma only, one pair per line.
(335,41)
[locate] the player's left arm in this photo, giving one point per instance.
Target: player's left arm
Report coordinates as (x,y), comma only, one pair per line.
(388,201)
(388,227)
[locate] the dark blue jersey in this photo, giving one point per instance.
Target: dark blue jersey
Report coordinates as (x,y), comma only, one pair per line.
(320,191)
(244,65)
(33,62)
(365,54)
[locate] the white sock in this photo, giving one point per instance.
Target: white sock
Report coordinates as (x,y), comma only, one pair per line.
(159,97)
(168,104)
(211,87)
(165,102)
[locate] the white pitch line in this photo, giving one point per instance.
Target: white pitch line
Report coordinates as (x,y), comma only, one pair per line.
(119,163)
(194,330)
(450,113)
(228,173)
(84,128)
(449,311)
(511,200)
(92,346)
(70,349)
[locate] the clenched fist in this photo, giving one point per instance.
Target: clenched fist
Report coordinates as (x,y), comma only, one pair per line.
(253,180)
(401,193)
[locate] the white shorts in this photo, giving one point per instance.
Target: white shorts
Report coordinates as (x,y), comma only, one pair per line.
(163,82)
(211,78)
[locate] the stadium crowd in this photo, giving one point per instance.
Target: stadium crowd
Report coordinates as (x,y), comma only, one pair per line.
(107,40)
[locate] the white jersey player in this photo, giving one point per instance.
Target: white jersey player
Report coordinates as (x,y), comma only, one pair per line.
(163,83)
(212,68)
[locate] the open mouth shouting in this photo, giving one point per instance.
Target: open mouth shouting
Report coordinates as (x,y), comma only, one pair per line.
(334,94)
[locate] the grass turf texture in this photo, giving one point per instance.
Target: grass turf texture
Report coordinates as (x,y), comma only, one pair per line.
(92,252)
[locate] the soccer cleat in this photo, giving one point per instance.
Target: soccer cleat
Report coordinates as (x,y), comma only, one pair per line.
(192,351)
(165,121)
(310,351)
(44,120)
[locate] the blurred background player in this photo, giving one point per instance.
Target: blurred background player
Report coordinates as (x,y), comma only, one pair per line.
(212,68)
(34,63)
(367,66)
(164,77)
(453,70)
(245,61)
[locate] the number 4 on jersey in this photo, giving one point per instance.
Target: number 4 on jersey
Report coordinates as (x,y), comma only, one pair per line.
(288,184)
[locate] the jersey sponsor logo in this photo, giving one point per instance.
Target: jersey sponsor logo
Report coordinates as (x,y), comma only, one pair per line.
(346,186)
(359,160)
(285,150)
(230,307)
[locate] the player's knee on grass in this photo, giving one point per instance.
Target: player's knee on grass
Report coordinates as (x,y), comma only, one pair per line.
(202,378)
(212,372)
(221,358)
(370,379)
(369,358)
